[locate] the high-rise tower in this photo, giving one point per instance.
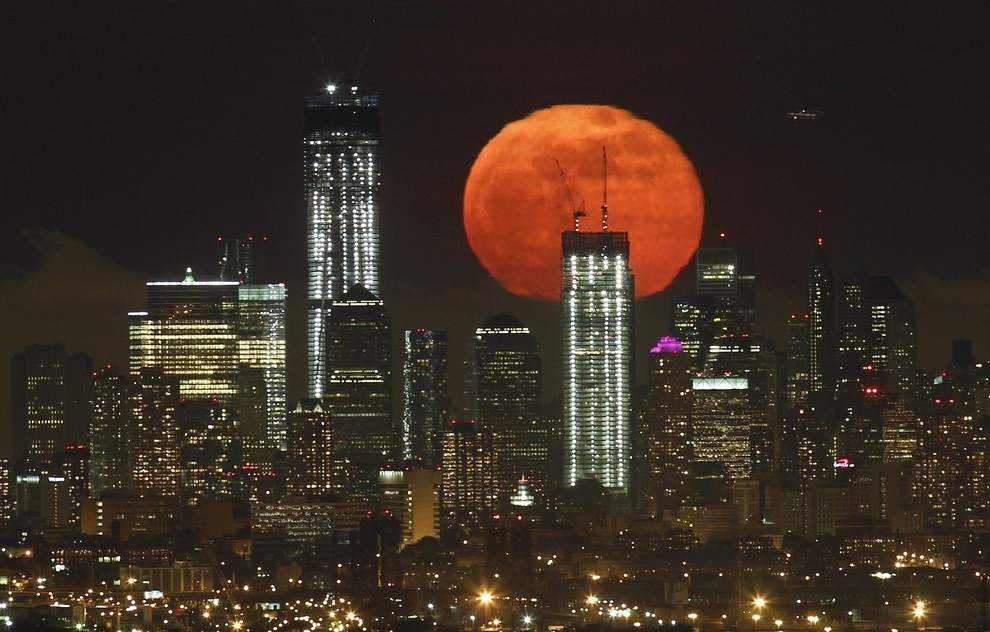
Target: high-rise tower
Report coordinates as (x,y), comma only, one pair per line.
(111,460)
(508,385)
(853,319)
(242,259)
(893,332)
(51,401)
(691,320)
(726,274)
(359,386)
(598,316)
(261,346)
(341,179)
(190,331)
(310,454)
(821,328)
(669,430)
(154,433)
(798,360)
(425,404)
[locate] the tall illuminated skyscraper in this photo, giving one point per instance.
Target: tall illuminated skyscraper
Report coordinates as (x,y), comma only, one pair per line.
(691,320)
(726,274)
(261,345)
(206,333)
(669,431)
(359,386)
(310,454)
(154,433)
(425,404)
(341,179)
(893,342)
(723,416)
(110,432)
(821,328)
(798,360)
(190,331)
(598,315)
(508,388)
(853,319)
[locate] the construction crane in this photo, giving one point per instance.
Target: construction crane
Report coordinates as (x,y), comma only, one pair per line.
(208,546)
(604,191)
(578,211)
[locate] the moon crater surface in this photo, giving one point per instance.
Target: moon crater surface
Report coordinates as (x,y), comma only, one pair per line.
(515,205)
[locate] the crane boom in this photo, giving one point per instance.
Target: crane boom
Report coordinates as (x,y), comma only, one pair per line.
(578,211)
(604,191)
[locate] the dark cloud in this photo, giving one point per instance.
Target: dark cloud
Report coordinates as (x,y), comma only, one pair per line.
(69,294)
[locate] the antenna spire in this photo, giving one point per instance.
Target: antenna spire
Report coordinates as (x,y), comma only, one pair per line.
(604,191)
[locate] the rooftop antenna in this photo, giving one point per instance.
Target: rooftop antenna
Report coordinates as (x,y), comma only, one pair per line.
(364,55)
(319,56)
(578,211)
(821,228)
(604,191)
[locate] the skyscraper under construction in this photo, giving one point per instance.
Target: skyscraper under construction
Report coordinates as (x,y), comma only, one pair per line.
(341,179)
(598,297)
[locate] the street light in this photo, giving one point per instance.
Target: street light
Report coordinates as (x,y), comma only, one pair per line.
(813,620)
(694,617)
(919,612)
(756,622)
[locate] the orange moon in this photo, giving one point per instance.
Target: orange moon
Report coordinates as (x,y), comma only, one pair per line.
(515,206)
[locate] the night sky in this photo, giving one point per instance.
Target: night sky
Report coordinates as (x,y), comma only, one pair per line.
(133,134)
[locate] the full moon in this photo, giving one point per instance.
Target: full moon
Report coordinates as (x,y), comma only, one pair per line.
(516,207)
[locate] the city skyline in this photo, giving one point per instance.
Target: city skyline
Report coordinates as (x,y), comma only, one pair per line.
(256,383)
(764,176)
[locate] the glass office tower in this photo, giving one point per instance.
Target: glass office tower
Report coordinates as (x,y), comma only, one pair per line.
(261,344)
(598,316)
(341,179)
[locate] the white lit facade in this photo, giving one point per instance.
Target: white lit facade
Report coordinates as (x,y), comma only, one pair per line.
(598,301)
(342,177)
(261,344)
